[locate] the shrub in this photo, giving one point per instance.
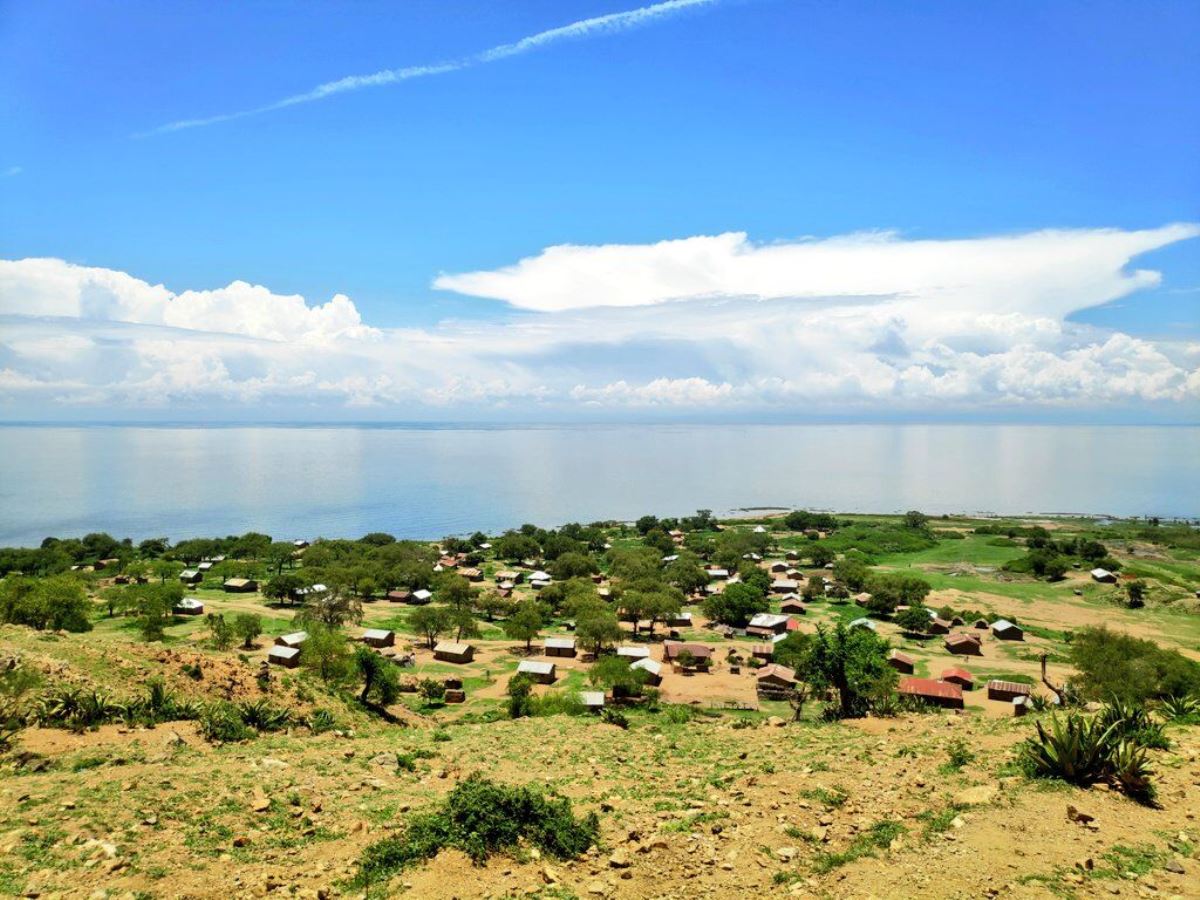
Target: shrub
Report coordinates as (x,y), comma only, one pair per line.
(481,818)
(222,723)
(321,720)
(1185,710)
(262,716)
(1112,664)
(958,754)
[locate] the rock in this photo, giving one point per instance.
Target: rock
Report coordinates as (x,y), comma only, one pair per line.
(385,759)
(259,801)
(787,854)
(597,887)
(269,762)
(1079,818)
(619,859)
(241,841)
(976,796)
(549,875)
(775,722)
(1175,867)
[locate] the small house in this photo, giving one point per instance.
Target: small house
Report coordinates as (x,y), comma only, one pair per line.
(288,657)
(938,625)
(964,645)
(862,599)
(1103,576)
(716,574)
(762,651)
(379,637)
(205,566)
(701,655)
(633,652)
(399,596)
(758,529)
(294,640)
(960,676)
(559,646)
(240,586)
(767,624)
(1005,630)
(472,574)
(680,620)
(454,652)
(793,605)
(455,695)
(421,597)
(189,606)
(300,544)
(779,566)
(938,693)
(191,576)
(540,671)
(652,668)
(784,586)
(592,700)
(1007,691)
(510,575)
(901,662)
(862,623)
(981,624)
(775,677)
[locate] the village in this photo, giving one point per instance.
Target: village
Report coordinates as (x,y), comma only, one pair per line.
(661,673)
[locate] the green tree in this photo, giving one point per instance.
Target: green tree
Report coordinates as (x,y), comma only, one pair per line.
(596,626)
(431,622)
(380,686)
(573,565)
(851,572)
(154,607)
(821,555)
(463,623)
(278,555)
(283,587)
(1111,664)
(220,634)
(325,652)
(58,602)
(736,605)
(526,622)
(333,607)
(892,589)
(852,662)
(248,627)
(1136,592)
(614,673)
(914,620)
(520,696)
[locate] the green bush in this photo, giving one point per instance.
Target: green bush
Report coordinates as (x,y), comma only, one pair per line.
(222,723)
(262,716)
(321,720)
(481,818)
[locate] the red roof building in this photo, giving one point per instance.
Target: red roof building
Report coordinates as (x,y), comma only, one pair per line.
(960,676)
(939,693)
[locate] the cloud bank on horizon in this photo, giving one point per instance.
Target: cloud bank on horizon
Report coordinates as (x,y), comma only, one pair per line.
(712,325)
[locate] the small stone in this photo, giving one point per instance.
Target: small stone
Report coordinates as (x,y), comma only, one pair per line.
(619,859)
(787,854)
(1175,867)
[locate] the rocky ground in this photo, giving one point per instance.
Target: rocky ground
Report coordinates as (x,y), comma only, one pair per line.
(714,807)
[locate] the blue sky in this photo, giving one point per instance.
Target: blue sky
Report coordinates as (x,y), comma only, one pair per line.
(783,120)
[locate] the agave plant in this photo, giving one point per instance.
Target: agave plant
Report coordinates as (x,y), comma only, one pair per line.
(1075,749)
(1133,722)
(1174,709)
(262,716)
(1131,770)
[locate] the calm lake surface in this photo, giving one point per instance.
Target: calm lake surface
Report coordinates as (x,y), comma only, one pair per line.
(429,482)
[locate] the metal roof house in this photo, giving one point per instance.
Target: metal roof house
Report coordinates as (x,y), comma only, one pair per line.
(1103,576)
(964,645)
(1007,691)
(775,676)
(1007,631)
(421,596)
(379,637)
(559,646)
(288,657)
(939,693)
(592,699)
(295,639)
(764,624)
(191,576)
(652,668)
(240,586)
(453,651)
(633,651)
(539,671)
(862,623)
(901,662)
(188,606)
(960,676)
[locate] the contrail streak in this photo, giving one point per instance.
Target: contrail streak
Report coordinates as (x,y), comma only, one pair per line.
(612,23)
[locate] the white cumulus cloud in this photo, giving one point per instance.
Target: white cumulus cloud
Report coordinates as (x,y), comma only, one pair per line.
(851,325)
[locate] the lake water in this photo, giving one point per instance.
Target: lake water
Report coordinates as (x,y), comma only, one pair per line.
(429,482)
